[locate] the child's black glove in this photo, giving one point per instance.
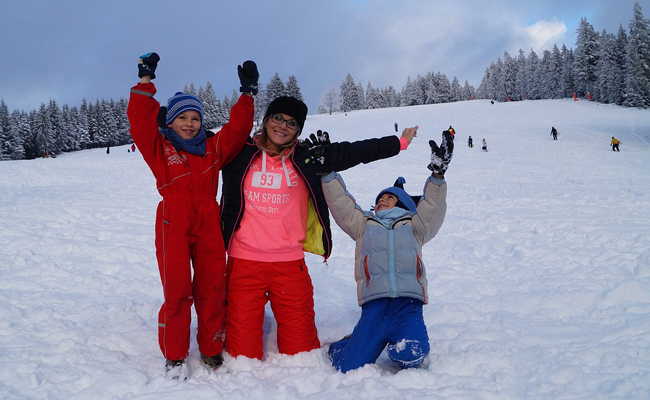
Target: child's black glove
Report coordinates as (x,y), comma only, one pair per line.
(441,156)
(147,65)
(162,117)
(319,151)
(248,77)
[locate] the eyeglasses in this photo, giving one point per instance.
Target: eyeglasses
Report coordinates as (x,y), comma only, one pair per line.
(291,123)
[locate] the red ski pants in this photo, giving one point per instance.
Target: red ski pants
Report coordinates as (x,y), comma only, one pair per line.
(288,287)
(188,236)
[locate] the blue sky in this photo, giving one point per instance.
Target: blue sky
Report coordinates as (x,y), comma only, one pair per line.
(70,50)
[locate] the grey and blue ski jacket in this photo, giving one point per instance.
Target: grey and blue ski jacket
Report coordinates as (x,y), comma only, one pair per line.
(388,260)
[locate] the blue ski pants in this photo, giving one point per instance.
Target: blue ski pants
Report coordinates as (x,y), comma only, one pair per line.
(396,322)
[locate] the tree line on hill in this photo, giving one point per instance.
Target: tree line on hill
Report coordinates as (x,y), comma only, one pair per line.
(612,69)
(609,68)
(606,67)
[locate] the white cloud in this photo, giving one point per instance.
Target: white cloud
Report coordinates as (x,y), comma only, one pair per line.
(544,34)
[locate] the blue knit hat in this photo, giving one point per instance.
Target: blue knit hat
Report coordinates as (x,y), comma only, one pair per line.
(180,103)
(404,200)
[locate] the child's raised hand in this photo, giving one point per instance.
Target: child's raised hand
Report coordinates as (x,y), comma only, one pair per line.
(248,77)
(147,64)
(441,156)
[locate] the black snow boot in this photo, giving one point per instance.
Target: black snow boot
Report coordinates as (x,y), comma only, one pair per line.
(176,370)
(213,362)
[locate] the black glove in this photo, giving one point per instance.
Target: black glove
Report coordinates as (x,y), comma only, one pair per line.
(441,156)
(248,76)
(319,151)
(162,118)
(147,65)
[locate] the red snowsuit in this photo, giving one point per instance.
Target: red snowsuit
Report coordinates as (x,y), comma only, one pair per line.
(187,223)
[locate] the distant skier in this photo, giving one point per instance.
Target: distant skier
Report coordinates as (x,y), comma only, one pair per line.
(108,150)
(615,142)
(132,147)
(470,142)
(554,133)
(396,127)
(484,145)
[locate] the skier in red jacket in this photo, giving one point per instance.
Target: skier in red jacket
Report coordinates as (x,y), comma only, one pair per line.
(185,160)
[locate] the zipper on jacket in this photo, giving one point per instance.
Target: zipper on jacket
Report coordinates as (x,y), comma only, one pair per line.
(365,270)
(242,197)
(419,273)
(391,262)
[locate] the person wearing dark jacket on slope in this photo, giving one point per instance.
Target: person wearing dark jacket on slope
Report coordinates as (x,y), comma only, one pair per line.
(185,160)
(273,210)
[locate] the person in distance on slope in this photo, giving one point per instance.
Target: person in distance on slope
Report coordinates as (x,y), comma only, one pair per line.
(554,133)
(614,143)
(484,148)
(389,270)
(185,160)
(273,210)
(470,142)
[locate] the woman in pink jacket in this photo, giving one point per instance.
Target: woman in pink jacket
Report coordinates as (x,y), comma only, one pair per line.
(273,211)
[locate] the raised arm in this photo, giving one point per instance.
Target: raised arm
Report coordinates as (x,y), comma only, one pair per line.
(143,109)
(339,156)
(432,207)
(233,135)
(344,208)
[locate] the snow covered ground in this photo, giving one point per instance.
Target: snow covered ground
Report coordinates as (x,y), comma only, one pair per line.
(539,278)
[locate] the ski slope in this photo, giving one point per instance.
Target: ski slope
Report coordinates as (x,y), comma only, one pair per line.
(539,279)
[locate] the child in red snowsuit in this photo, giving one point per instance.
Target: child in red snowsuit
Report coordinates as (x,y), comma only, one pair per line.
(185,159)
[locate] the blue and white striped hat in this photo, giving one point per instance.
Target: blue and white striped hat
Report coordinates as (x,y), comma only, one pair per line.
(180,103)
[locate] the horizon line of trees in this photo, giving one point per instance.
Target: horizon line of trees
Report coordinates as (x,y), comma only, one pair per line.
(52,130)
(612,69)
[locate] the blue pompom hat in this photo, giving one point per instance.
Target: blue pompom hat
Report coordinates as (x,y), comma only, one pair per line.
(404,200)
(180,103)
